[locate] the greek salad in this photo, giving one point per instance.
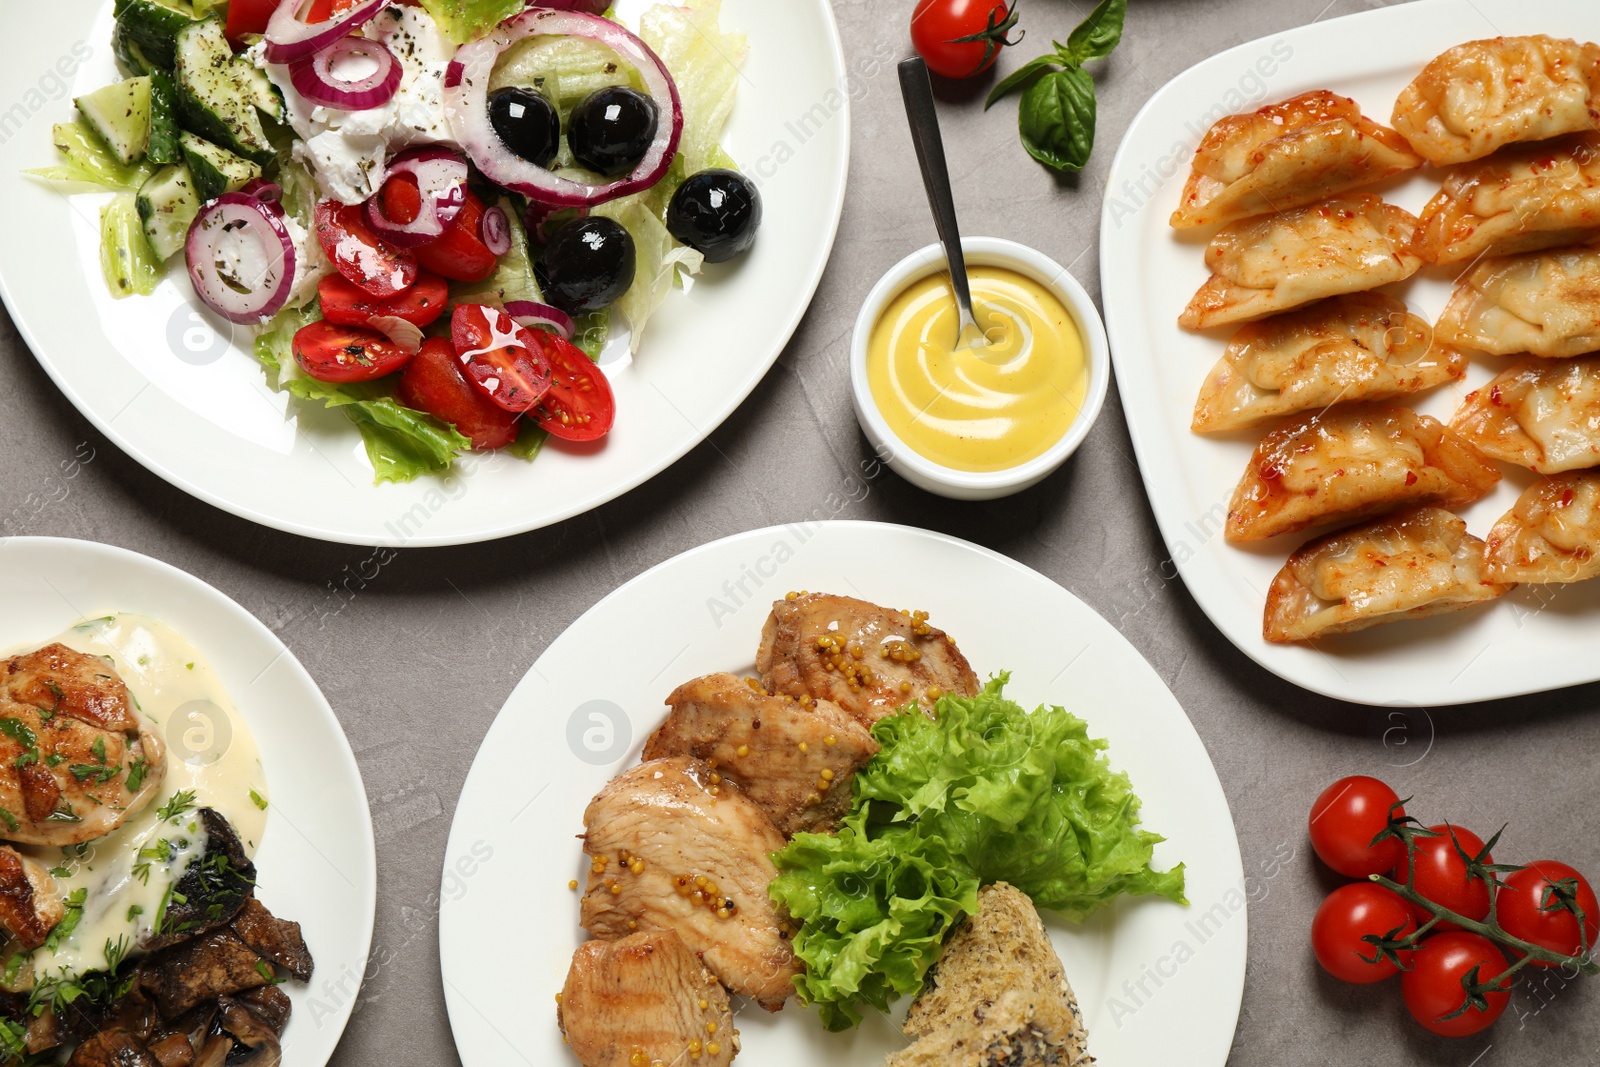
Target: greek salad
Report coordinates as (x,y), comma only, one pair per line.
(431,213)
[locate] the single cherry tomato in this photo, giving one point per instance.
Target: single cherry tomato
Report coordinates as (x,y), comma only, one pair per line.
(1441,875)
(1345,819)
(1433,989)
(433,382)
(1351,913)
(500,357)
(333,353)
(348,304)
(580,405)
(400,199)
(961,38)
(359,254)
(459,252)
(1536,905)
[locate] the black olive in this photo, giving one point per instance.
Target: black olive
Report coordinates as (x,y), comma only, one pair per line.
(716,212)
(611,129)
(587,265)
(527,124)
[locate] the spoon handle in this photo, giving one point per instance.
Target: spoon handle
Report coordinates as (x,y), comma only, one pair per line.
(917,88)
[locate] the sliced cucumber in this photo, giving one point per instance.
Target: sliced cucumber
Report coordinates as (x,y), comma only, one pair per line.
(167,205)
(259,88)
(154,25)
(163,146)
(130,56)
(215,169)
(120,115)
(211,101)
(126,259)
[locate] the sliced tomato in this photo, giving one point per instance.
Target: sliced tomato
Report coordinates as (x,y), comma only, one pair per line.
(458,252)
(330,352)
(500,357)
(400,199)
(249,16)
(348,304)
(580,405)
(359,254)
(433,382)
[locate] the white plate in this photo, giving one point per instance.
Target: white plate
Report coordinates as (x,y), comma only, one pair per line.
(1533,639)
(315,864)
(180,394)
(563,734)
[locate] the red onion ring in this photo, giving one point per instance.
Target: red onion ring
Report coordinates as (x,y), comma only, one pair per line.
(290,37)
(466,98)
(441,179)
(531,313)
(588,7)
(261,189)
(314,79)
(402,332)
(494,230)
(240,258)
(537,219)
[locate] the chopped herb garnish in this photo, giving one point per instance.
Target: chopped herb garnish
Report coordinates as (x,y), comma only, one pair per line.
(181,802)
(134,911)
(10,819)
(69,920)
(258,800)
(98,749)
(136,773)
(60,872)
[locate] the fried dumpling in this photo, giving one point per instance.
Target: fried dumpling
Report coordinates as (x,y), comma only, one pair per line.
(1543,414)
(1552,534)
(1364,346)
(1542,303)
(1349,462)
(1274,263)
(1288,155)
(1483,95)
(1521,200)
(1404,566)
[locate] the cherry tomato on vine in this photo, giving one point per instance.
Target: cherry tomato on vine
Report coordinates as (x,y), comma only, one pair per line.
(1441,875)
(1345,819)
(1350,913)
(1432,987)
(961,38)
(1536,906)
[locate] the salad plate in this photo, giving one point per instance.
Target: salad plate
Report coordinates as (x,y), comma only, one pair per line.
(1540,638)
(315,859)
(177,387)
(1143,969)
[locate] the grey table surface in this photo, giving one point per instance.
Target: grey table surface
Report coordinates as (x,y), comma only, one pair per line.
(457,627)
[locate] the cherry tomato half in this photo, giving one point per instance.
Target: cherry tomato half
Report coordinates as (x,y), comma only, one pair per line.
(1535,906)
(1345,819)
(400,199)
(433,382)
(580,405)
(248,16)
(459,253)
(960,38)
(1350,913)
(348,304)
(1432,986)
(500,357)
(330,352)
(1441,875)
(359,254)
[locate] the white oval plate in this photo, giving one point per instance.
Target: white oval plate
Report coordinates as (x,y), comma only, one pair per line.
(316,863)
(179,393)
(1145,971)
(1535,638)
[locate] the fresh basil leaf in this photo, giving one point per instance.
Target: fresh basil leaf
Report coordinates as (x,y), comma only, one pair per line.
(1020,77)
(1097,35)
(1056,119)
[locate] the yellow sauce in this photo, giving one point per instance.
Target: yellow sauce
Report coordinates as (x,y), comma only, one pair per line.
(985,409)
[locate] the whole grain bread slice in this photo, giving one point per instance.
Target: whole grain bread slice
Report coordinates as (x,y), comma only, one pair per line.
(1019,1029)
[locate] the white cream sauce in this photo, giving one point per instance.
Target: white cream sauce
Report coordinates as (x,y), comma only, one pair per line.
(126,876)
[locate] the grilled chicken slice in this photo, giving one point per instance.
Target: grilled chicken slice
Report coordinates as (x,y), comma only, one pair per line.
(29,902)
(869,660)
(645,1000)
(795,763)
(674,846)
(75,757)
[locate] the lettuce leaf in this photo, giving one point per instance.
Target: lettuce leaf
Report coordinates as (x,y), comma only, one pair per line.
(985,792)
(705,62)
(126,259)
(89,162)
(467,20)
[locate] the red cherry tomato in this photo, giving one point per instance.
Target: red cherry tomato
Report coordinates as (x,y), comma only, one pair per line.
(400,200)
(459,253)
(1432,986)
(1536,904)
(580,405)
(333,353)
(1441,875)
(248,16)
(500,357)
(1350,913)
(348,304)
(960,38)
(1345,819)
(433,382)
(359,254)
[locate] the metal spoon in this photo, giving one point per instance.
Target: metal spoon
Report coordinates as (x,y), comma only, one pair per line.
(917,88)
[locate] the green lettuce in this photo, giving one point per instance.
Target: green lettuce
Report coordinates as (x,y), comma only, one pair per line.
(985,792)
(467,20)
(89,162)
